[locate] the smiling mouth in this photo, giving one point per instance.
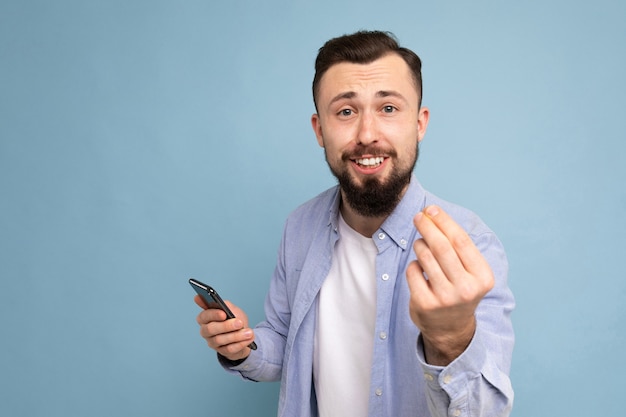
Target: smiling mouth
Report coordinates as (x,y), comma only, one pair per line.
(369,162)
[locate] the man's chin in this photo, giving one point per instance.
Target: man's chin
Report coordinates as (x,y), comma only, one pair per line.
(379,179)
(372,197)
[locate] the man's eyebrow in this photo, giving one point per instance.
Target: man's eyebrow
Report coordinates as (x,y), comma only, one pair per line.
(391,93)
(342,96)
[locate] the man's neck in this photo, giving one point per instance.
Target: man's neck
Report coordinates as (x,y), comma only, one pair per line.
(364,225)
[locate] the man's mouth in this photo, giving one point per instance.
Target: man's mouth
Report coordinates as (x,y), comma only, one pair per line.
(370,162)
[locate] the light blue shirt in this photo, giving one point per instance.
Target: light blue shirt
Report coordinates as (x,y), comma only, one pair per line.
(402,383)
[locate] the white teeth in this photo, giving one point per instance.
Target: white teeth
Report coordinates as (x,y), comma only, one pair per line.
(370,162)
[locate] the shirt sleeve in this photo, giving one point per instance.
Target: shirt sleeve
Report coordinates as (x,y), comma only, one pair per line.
(469,386)
(261,365)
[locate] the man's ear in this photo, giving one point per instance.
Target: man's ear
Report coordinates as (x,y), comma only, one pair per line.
(422,122)
(317,128)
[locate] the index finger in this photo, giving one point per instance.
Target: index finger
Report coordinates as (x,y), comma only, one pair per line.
(211,315)
(467,252)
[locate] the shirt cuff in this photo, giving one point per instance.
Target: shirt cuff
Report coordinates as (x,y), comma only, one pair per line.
(453,378)
(248,368)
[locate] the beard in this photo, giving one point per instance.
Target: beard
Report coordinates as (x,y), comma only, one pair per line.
(373,197)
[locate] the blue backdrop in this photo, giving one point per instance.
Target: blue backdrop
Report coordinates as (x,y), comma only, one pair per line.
(146,142)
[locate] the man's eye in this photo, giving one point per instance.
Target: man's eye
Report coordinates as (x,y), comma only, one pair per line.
(345,112)
(389,109)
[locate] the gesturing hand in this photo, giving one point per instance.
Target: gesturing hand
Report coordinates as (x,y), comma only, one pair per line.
(446,282)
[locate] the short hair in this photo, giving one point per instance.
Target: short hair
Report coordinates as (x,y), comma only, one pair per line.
(364,47)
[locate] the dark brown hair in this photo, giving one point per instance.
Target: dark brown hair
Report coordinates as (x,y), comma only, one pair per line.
(364,47)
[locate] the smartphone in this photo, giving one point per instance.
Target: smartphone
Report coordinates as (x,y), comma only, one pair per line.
(213,300)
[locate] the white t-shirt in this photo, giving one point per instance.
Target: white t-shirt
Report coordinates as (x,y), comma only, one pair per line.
(344,334)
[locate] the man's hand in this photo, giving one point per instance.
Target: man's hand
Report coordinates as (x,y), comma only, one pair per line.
(446,282)
(230,338)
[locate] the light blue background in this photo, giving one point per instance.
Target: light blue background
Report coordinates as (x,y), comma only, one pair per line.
(145,142)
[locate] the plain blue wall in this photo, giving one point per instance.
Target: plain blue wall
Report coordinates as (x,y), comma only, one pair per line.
(145,142)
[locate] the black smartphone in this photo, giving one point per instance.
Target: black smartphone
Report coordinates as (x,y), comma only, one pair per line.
(213,300)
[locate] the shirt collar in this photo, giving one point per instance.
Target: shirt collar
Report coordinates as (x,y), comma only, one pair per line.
(333,214)
(399,225)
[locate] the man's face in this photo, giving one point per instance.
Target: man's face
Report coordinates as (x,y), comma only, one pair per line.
(369,124)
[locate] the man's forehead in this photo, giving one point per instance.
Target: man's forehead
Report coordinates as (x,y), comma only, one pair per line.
(388,73)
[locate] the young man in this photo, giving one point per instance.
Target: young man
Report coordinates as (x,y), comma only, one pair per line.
(386,300)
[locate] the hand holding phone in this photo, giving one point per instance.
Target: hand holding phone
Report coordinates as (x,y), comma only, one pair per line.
(213,300)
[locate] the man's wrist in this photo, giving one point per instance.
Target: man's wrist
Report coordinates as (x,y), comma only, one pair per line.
(232,363)
(444,349)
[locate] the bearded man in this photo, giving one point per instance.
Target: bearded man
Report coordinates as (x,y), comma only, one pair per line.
(385,300)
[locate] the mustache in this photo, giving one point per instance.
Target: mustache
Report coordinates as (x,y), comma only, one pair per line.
(371,150)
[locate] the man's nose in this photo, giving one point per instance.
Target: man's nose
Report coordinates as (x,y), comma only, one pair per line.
(368,129)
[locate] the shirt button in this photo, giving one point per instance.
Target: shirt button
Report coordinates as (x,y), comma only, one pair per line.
(381,236)
(456,413)
(382,335)
(379,392)
(403,242)
(385,277)
(447,379)
(428,377)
